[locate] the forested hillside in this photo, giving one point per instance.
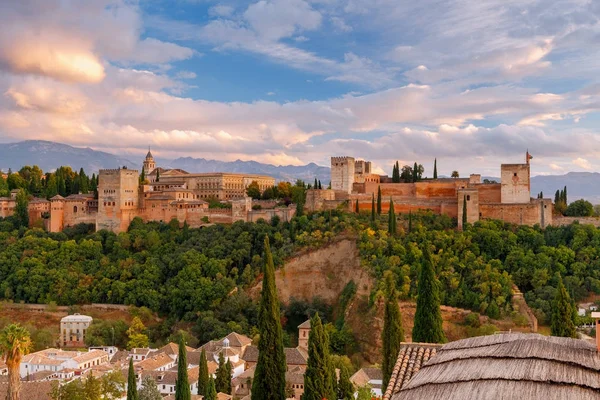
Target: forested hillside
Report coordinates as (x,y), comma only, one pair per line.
(201,276)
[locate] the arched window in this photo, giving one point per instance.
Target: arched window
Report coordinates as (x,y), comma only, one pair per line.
(74,209)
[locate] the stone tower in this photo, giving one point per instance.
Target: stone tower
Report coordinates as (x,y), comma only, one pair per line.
(118,198)
(515,180)
(149,164)
(342,173)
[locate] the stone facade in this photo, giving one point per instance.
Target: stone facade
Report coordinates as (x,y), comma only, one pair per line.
(509,200)
(176,194)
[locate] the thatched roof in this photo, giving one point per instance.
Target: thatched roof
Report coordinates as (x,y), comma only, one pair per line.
(508,366)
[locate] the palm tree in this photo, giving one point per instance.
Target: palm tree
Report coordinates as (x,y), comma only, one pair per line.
(14,344)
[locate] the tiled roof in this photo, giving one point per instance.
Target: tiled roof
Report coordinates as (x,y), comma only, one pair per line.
(30,390)
(172,349)
(155,362)
(237,340)
(224,396)
(295,356)
(250,354)
(119,356)
(305,325)
(90,355)
(411,358)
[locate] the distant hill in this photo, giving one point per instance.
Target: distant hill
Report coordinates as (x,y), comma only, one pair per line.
(291,173)
(50,155)
(580,185)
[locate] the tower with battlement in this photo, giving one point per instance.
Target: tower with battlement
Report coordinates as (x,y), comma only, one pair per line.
(118,198)
(342,173)
(516,183)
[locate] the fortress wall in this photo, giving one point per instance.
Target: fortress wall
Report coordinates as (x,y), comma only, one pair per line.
(522,214)
(439,189)
(515,183)
(489,193)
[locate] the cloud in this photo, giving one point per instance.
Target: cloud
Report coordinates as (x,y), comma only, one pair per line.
(270,93)
(74,41)
(582,163)
(220,10)
(339,25)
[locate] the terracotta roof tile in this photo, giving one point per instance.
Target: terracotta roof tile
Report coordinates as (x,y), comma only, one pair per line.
(411,358)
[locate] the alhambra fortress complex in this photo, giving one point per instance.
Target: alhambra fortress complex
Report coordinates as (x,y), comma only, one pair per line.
(169,194)
(510,200)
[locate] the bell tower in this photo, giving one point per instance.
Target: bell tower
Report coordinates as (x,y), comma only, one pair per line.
(149,164)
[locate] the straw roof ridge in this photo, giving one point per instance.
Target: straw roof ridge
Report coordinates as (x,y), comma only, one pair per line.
(532,348)
(490,340)
(524,370)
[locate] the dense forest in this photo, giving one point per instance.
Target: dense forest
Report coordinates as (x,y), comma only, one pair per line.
(199,275)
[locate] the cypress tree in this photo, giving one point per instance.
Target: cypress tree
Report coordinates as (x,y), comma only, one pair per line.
(392,218)
(345,388)
(356,209)
(428,317)
(21,208)
(464,212)
(132,393)
(317,378)
(269,377)
(557,196)
(565,196)
(320,187)
(316,184)
(182,386)
(562,313)
(157,175)
(229,369)
(211,391)
(414,177)
(435,168)
(202,374)
(378,200)
(409,221)
(372,207)
(392,334)
(143,176)
(222,381)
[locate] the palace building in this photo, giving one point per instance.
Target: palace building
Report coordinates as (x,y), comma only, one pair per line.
(164,195)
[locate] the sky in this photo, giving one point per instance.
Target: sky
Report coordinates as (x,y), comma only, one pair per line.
(473,83)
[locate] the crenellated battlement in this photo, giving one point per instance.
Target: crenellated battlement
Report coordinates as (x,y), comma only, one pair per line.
(113,171)
(342,159)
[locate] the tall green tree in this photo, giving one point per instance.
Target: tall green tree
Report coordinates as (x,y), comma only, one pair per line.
(317,378)
(565,199)
(356,209)
(464,212)
(320,187)
(157,175)
(378,200)
(132,393)
(435,168)
(211,391)
(372,207)
(345,388)
(143,176)
(202,374)
(316,184)
(428,316)
(415,172)
(3,186)
(149,390)
(557,196)
(269,377)
(562,313)
(182,386)
(409,221)
(21,208)
(392,218)
(15,343)
(392,334)
(223,376)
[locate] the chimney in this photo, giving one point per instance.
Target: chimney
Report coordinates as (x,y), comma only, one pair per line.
(596,316)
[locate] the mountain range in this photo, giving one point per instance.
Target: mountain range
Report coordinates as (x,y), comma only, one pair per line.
(51,155)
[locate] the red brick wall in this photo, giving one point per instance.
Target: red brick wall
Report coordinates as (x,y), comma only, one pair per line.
(489,193)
